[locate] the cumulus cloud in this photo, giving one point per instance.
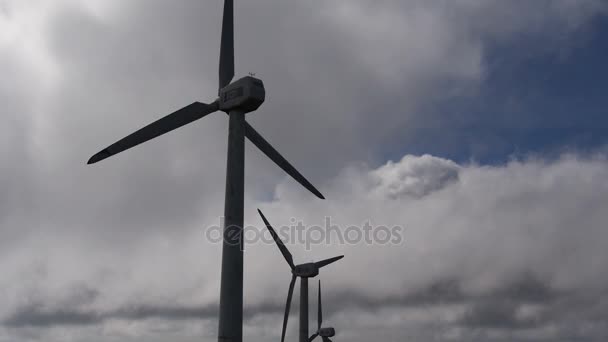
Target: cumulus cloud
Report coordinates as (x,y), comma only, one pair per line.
(494,251)
(414,176)
(502,246)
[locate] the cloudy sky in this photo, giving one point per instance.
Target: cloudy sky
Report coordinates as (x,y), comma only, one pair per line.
(476,126)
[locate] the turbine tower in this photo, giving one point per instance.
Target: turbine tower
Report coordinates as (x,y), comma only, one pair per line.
(235,99)
(327,332)
(304,271)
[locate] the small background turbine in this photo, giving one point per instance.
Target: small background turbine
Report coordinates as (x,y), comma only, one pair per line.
(327,332)
(304,271)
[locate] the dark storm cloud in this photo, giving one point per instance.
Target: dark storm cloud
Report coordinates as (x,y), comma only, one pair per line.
(571,316)
(494,309)
(498,314)
(75,310)
(501,311)
(523,289)
(38,316)
(497,310)
(33,316)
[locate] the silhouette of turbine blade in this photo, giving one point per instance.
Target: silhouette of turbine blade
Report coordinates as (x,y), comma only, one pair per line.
(227,45)
(170,122)
(286,254)
(320,310)
(326,262)
(288,306)
(276,157)
(326,339)
(313,336)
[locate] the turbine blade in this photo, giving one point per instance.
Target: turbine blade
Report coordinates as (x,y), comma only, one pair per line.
(170,122)
(327,339)
(227,45)
(287,306)
(288,257)
(276,157)
(320,310)
(313,336)
(326,262)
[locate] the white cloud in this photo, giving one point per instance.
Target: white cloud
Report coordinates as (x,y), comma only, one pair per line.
(124,238)
(484,229)
(414,176)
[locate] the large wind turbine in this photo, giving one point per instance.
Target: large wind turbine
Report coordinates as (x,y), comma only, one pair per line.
(327,332)
(304,271)
(236,99)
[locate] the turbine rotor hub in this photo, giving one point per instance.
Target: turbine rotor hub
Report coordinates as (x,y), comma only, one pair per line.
(246,94)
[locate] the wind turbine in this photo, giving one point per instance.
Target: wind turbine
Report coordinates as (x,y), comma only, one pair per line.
(235,99)
(325,333)
(304,271)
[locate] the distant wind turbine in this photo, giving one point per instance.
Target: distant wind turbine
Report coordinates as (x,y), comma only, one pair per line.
(304,271)
(236,99)
(327,332)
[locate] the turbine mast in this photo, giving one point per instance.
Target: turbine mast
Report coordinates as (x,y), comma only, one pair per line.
(303,309)
(231,291)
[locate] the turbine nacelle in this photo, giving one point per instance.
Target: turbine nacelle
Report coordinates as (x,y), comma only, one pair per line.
(309,270)
(327,332)
(246,94)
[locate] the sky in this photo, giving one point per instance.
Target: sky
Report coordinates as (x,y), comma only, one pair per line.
(472,131)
